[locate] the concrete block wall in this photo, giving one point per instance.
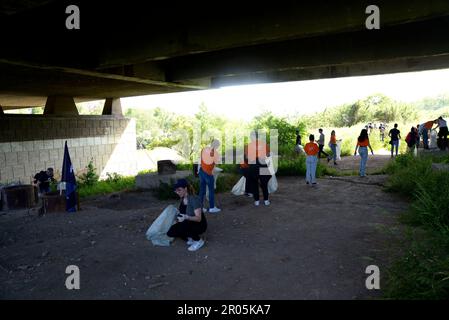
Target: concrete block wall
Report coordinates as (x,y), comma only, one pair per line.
(30,143)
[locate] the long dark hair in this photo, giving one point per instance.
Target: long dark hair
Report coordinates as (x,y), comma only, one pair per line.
(363,135)
(190,189)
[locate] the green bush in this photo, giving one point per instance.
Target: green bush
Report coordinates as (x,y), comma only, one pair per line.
(423,271)
(105,186)
(406,171)
(90,177)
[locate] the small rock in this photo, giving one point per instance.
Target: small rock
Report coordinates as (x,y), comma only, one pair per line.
(93,242)
(45,254)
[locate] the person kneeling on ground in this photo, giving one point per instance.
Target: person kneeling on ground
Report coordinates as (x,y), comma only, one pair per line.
(191,220)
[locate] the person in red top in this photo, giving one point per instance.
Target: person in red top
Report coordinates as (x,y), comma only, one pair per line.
(311,149)
(209,157)
(257,153)
(362,145)
(333,146)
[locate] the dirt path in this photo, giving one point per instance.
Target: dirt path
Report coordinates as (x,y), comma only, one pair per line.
(351,164)
(311,243)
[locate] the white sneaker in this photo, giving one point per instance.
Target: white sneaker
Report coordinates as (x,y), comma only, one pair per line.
(204,210)
(190,241)
(249,195)
(196,245)
(256,203)
(267,202)
(214,210)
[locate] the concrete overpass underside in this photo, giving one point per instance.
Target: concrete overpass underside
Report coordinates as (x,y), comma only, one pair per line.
(126,48)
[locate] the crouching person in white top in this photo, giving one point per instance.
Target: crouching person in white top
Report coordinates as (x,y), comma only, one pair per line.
(191,219)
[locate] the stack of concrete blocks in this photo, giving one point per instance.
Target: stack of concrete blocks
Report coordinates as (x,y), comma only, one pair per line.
(31,143)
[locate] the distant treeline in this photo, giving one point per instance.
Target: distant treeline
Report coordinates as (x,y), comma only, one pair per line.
(158,127)
(378,108)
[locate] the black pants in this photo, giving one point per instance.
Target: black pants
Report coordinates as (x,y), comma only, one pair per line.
(442,134)
(322,152)
(254,178)
(188,229)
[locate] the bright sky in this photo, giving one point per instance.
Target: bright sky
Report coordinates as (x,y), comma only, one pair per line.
(299,97)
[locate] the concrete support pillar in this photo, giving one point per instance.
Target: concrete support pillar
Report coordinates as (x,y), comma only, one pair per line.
(1,111)
(60,105)
(113,107)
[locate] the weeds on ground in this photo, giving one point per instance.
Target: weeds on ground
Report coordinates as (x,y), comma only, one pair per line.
(423,271)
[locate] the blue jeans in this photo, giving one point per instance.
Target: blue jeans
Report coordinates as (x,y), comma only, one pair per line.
(425,138)
(394,144)
(363,151)
(334,151)
(207,180)
(311,163)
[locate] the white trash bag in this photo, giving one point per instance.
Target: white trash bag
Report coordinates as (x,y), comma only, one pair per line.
(157,232)
(299,149)
(433,139)
(239,188)
(272,184)
(338,149)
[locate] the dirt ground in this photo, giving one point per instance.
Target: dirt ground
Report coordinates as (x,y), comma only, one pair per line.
(311,243)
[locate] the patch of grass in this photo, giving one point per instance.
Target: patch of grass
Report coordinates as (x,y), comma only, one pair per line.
(117,183)
(406,171)
(147,171)
(423,271)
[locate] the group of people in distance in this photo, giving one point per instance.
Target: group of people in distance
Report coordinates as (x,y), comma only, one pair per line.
(192,220)
(313,150)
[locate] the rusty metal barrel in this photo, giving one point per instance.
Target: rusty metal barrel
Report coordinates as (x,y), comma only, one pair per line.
(18,197)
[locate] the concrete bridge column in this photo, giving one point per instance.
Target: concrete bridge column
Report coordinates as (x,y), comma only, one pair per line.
(60,105)
(113,107)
